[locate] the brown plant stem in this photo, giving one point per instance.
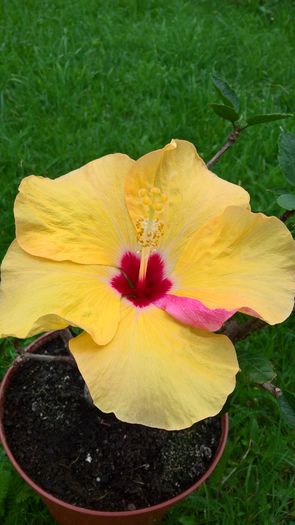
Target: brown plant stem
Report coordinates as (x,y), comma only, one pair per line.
(231,139)
(239,331)
(286,215)
(274,390)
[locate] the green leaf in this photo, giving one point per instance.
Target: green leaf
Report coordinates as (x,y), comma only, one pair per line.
(287,156)
(226,112)
(187,520)
(226,407)
(256,368)
(5,480)
(24,494)
(287,201)
(226,92)
(267,117)
(287,405)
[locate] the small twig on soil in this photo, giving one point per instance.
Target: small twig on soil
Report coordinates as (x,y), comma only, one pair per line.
(231,139)
(28,356)
(103,496)
(146,466)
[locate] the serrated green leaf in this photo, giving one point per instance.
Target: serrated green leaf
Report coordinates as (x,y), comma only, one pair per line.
(287,156)
(267,117)
(287,201)
(256,368)
(227,94)
(287,405)
(226,112)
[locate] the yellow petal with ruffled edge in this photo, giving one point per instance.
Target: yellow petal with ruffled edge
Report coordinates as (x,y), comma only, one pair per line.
(81,216)
(240,259)
(194,194)
(39,294)
(157,372)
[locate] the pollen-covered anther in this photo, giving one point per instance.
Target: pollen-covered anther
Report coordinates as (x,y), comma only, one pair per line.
(155,191)
(142,192)
(149,232)
(147,201)
(158,206)
(152,200)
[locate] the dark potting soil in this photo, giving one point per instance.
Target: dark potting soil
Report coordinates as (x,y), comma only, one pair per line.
(92,459)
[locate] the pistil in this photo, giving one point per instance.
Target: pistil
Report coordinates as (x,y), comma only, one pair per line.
(144,259)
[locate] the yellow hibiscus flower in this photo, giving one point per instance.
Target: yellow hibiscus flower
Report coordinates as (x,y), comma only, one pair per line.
(148,257)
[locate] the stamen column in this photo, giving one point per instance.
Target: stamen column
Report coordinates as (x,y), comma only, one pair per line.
(149,227)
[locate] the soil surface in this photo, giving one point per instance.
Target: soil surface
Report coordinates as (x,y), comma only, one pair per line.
(92,459)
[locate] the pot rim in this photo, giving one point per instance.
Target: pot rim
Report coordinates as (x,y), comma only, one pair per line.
(83,510)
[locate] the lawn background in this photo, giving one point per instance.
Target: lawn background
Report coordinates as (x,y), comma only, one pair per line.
(80,79)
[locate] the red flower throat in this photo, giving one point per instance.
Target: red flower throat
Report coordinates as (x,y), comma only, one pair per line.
(141,293)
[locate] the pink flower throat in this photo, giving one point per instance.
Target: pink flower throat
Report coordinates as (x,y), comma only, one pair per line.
(141,293)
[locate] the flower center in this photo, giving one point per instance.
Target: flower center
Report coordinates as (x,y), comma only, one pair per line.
(141,293)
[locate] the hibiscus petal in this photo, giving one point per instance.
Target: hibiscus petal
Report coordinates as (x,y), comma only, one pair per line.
(193,312)
(240,260)
(40,294)
(157,372)
(194,193)
(81,216)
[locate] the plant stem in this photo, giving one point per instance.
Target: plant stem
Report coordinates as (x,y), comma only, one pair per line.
(274,390)
(239,331)
(231,139)
(286,215)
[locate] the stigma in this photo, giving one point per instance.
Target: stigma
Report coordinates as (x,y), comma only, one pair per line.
(149,227)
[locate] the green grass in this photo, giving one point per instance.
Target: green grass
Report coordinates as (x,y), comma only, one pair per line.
(79,79)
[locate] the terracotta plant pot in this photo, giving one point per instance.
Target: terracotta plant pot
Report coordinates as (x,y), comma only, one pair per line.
(67,514)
